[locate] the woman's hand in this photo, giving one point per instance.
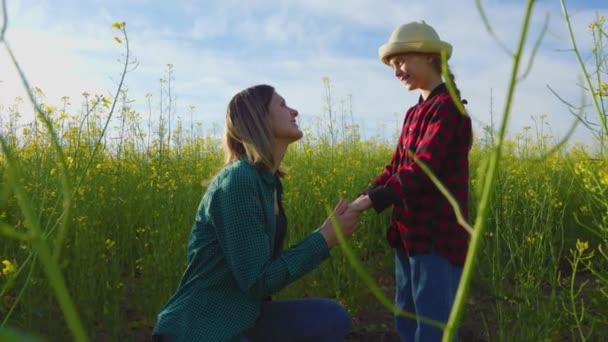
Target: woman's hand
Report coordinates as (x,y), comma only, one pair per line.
(347,220)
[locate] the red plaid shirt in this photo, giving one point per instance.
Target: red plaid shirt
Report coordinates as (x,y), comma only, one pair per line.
(422,220)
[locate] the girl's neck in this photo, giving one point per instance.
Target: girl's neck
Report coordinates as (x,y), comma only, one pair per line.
(426,90)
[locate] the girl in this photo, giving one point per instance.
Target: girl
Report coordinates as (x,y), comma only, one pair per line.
(430,246)
(235,256)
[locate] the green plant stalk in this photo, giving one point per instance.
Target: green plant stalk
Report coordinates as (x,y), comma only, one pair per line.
(64,170)
(367,279)
(9,231)
(50,266)
(596,104)
(10,335)
(457,211)
(598,51)
(62,232)
(20,294)
(602,277)
(4,21)
(486,22)
(112,108)
(30,256)
(570,132)
(450,85)
(536,47)
(578,319)
(490,179)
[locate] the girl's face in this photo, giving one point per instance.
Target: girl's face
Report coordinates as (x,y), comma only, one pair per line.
(414,70)
(283,120)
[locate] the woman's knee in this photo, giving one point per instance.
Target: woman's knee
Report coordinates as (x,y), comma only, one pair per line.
(337,314)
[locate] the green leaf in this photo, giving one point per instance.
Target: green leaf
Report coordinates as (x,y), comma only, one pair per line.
(11,335)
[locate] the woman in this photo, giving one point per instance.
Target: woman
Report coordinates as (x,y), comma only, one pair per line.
(235,255)
(430,245)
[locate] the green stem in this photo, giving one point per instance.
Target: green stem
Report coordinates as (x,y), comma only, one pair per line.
(573,295)
(594,98)
(490,179)
(369,281)
(50,266)
(453,202)
(22,290)
(64,170)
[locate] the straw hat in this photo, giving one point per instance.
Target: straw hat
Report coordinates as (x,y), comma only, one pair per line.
(416,36)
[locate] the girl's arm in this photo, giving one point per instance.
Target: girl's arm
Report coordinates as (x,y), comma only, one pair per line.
(387,173)
(432,150)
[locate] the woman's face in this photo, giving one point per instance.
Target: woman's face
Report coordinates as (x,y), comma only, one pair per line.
(283,120)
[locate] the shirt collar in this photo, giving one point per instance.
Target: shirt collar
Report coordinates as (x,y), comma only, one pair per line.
(438,90)
(267,176)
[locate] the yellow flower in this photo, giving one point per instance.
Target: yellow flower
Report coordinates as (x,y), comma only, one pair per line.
(118,25)
(107,101)
(48,109)
(581,246)
(117,40)
(110,244)
(8,267)
(604,178)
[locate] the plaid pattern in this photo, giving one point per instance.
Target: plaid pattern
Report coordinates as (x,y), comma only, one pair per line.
(422,220)
(230,266)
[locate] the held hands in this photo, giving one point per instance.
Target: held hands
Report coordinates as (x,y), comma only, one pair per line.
(347,220)
(362,203)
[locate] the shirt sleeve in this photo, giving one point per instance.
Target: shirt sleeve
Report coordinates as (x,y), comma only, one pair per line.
(238,215)
(382,178)
(387,173)
(431,150)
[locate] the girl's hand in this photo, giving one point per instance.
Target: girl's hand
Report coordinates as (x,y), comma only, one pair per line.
(361,204)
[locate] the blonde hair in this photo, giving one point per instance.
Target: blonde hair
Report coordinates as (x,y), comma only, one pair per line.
(436,63)
(247,130)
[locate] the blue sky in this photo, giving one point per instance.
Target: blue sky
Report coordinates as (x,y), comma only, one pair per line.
(220,47)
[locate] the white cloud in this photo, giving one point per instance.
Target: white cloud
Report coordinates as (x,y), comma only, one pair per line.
(204,28)
(293,44)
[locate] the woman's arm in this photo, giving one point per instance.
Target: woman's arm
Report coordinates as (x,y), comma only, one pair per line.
(238,216)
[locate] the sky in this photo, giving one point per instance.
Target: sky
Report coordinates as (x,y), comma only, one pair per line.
(220,47)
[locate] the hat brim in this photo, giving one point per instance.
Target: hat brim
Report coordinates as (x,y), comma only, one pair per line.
(391,49)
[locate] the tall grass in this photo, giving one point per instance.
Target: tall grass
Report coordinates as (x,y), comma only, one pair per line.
(131,219)
(593,175)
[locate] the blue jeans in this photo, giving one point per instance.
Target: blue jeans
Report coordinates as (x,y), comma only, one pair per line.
(426,286)
(313,319)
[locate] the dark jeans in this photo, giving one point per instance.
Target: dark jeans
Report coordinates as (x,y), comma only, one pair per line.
(313,319)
